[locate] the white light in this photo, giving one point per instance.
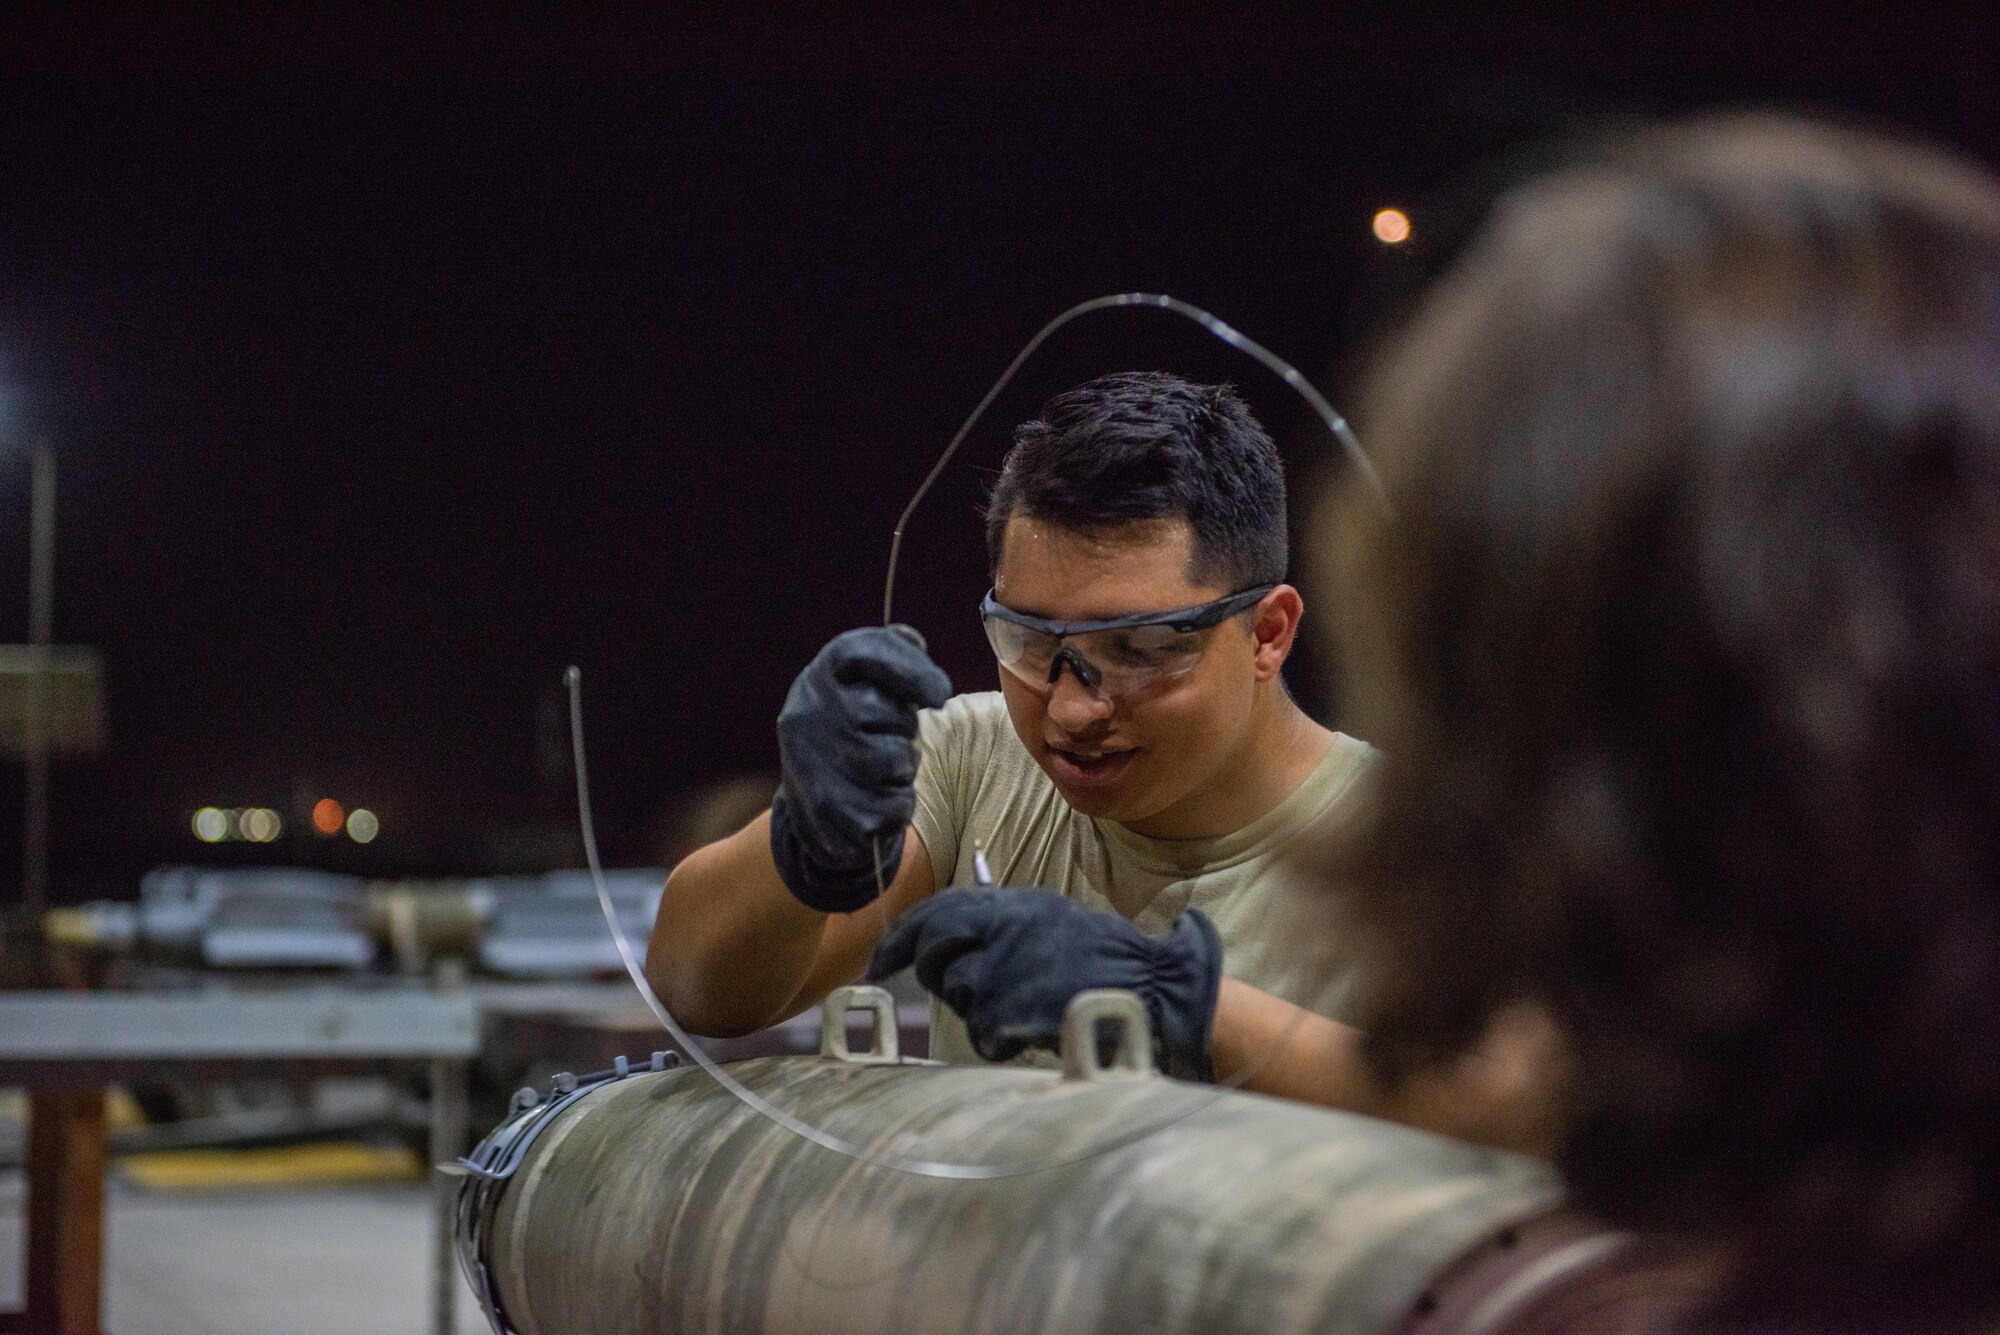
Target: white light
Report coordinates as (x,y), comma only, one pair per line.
(362,826)
(211,825)
(260,825)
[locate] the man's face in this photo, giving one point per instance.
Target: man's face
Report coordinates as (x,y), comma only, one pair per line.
(1150,758)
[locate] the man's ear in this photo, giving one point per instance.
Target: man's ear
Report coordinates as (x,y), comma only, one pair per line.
(1276,626)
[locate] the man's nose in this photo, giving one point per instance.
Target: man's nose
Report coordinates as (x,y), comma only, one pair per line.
(1074,707)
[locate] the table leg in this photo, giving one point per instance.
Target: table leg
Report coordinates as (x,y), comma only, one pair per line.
(65,1261)
(448,1129)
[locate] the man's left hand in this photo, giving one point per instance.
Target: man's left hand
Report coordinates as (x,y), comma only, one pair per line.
(1009,960)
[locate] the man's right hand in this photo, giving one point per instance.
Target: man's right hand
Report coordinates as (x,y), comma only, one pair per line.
(848,755)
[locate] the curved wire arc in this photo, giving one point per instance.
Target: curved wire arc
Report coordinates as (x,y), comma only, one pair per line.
(1336,425)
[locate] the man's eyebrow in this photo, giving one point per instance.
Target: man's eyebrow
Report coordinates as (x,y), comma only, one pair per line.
(1035,612)
(1091,615)
(1042,615)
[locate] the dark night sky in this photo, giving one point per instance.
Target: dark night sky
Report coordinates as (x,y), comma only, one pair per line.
(395,363)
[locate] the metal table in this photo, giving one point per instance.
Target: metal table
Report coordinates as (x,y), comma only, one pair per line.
(66,1047)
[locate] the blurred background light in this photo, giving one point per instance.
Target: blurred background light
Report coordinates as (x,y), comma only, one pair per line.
(260,825)
(327,816)
(362,826)
(211,825)
(1392,227)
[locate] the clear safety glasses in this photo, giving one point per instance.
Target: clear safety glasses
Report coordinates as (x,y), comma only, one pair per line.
(1113,657)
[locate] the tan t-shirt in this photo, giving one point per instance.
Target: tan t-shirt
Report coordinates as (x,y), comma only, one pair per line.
(977,784)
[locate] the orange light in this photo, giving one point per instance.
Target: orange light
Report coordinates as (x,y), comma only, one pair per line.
(1392,227)
(327,816)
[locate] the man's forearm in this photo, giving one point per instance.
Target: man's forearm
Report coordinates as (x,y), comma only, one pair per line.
(1287,1051)
(731,947)
(1505,1092)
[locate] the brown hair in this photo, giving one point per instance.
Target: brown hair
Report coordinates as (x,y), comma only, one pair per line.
(1140,445)
(1683,649)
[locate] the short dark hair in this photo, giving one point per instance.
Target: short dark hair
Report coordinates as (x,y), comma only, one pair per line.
(1142,445)
(1683,653)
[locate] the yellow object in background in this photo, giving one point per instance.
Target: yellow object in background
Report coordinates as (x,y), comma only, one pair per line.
(121,1110)
(328,1163)
(69,927)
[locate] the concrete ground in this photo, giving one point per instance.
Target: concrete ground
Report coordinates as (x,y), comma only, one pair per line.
(331,1261)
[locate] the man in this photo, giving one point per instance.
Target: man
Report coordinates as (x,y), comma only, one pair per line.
(1134,782)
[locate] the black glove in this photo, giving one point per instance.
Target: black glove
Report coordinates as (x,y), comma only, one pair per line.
(1008,961)
(848,753)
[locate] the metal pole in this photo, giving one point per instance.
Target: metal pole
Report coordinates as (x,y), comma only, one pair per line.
(448,1130)
(41,626)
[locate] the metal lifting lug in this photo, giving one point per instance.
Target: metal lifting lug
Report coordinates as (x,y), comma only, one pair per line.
(881,1008)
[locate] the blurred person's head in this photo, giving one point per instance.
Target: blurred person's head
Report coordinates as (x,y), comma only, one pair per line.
(1683,649)
(1140,493)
